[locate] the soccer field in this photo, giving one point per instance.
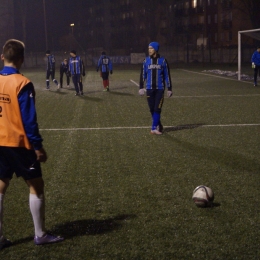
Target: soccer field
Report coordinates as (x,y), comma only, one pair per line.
(116,192)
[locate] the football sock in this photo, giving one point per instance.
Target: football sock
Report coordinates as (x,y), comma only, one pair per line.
(55,81)
(47,83)
(1,213)
(104,83)
(37,207)
(156,120)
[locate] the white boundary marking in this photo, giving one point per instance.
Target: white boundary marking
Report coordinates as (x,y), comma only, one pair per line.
(144,127)
(134,82)
(221,77)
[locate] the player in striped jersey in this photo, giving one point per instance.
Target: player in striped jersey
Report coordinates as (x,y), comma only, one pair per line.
(155,72)
(77,70)
(50,70)
(105,65)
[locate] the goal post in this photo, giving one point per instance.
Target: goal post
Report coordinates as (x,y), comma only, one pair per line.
(253,34)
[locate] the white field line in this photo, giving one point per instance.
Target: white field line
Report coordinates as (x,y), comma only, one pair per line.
(206,96)
(142,127)
(221,77)
(134,82)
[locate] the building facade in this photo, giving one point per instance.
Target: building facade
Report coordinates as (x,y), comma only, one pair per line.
(128,25)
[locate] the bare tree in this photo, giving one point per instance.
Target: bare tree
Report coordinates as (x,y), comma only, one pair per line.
(23,5)
(250,8)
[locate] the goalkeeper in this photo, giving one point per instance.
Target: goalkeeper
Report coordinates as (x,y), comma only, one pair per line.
(155,72)
(256,64)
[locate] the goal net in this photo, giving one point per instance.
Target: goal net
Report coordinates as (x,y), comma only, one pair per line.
(255,34)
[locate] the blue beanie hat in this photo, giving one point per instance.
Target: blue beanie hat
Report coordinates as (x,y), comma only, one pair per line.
(155,45)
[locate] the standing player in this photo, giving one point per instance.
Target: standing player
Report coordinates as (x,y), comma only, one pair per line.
(64,68)
(21,150)
(256,64)
(77,70)
(105,65)
(50,70)
(155,71)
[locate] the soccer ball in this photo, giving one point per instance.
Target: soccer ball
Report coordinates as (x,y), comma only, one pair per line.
(203,196)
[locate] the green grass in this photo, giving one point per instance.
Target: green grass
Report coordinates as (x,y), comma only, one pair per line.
(116,192)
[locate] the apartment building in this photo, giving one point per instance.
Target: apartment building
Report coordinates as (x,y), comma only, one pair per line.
(130,24)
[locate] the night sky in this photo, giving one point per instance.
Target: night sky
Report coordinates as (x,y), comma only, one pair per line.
(59,15)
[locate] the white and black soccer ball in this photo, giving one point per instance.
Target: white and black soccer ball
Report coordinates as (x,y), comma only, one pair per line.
(203,196)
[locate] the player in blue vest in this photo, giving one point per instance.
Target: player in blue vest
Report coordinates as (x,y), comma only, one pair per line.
(64,69)
(105,65)
(155,72)
(50,70)
(256,64)
(77,70)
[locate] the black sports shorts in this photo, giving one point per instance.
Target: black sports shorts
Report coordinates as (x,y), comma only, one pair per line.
(20,161)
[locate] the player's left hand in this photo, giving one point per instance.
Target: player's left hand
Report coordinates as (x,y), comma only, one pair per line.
(41,155)
(141,91)
(169,93)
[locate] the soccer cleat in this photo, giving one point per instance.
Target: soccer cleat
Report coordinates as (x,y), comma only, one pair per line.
(156,132)
(5,243)
(105,89)
(81,93)
(77,94)
(47,239)
(47,88)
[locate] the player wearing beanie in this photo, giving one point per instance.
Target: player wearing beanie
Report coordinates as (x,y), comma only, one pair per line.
(155,72)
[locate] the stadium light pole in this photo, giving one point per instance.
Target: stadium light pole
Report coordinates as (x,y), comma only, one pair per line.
(72,25)
(45,25)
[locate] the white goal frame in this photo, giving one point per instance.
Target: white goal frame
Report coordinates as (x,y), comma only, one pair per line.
(239,49)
